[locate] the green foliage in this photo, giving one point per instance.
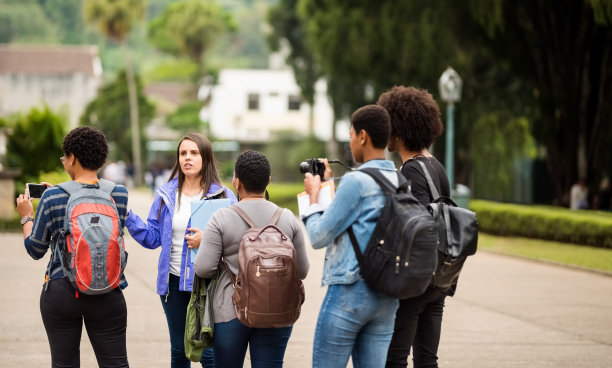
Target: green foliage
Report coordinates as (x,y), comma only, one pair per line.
(172,70)
(286,152)
(114,19)
(189,28)
(24,21)
(551,251)
(186,118)
(110,112)
(285,194)
(545,222)
(507,143)
(35,142)
(67,16)
(286,25)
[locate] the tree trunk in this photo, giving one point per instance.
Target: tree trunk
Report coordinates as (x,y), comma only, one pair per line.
(134,115)
(572,64)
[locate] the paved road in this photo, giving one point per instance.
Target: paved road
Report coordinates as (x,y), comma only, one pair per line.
(507,313)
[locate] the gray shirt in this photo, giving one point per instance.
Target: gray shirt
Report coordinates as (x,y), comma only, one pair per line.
(222,238)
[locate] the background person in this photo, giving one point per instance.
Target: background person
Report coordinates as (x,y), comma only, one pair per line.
(63,313)
(354,320)
(415,125)
(222,239)
(194,176)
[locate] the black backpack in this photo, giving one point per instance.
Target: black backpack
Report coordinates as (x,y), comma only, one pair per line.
(402,254)
(458,229)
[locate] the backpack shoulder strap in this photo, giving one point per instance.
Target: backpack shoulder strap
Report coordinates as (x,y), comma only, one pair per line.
(432,187)
(243,215)
(107,185)
(382,181)
(70,187)
(275,216)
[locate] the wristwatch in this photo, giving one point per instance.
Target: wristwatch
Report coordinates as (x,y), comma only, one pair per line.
(26,219)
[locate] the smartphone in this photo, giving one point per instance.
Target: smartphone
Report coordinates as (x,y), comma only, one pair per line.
(35,190)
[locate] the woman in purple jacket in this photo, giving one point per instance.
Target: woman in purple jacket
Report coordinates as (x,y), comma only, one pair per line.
(195,176)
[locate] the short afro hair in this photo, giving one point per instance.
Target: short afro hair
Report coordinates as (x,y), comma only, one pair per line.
(88,145)
(375,121)
(253,170)
(415,116)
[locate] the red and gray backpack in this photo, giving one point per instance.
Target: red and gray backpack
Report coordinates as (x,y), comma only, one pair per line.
(90,245)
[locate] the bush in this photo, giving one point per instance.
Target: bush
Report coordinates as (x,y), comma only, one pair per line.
(285,194)
(54,177)
(545,222)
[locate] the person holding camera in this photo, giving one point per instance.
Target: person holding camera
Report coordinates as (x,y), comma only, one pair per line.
(63,310)
(415,125)
(195,176)
(354,320)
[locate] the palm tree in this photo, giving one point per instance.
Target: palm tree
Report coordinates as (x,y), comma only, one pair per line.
(114,19)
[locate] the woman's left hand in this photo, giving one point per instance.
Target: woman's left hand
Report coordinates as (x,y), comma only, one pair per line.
(193,240)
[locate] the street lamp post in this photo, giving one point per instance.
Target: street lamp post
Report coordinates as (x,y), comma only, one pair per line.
(450,90)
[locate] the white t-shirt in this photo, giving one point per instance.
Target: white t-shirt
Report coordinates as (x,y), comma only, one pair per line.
(180,220)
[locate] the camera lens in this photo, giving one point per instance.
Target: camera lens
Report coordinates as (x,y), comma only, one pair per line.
(304,167)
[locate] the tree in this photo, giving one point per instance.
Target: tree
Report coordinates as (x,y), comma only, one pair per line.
(188,28)
(549,62)
(35,142)
(286,25)
(115,19)
(24,21)
(566,48)
(109,112)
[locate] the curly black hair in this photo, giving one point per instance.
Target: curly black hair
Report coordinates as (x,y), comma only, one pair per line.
(88,145)
(375,121)
(253,170)
(415,116)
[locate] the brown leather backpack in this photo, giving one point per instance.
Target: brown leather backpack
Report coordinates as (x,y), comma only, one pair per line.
(268,292)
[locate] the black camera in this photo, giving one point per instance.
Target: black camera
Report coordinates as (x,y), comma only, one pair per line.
(313,166)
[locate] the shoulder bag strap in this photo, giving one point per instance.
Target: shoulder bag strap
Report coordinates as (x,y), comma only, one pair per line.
(107,185)
(243,215)
(380,179)
(432,187)
(70,186)
(276,216)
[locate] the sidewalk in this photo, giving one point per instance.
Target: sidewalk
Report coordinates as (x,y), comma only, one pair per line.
(507,313)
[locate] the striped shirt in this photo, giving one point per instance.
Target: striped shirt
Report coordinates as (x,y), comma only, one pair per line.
(49,221)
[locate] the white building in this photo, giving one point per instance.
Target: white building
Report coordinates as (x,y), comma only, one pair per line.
(249,105)
(63,77)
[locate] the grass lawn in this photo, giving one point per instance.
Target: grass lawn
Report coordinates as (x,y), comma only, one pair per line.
(572,254)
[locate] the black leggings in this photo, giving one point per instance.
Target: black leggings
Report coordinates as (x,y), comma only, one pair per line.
(418,324)
(105,318)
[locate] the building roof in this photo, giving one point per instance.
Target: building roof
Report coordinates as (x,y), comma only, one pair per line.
(50,59)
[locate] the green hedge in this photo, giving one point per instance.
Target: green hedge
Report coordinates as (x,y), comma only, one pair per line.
(545,222)
(285,194)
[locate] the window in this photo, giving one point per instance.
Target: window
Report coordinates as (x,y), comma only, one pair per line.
(253,101)
(294,102)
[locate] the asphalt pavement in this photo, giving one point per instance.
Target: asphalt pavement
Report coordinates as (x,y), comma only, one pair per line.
(507,312)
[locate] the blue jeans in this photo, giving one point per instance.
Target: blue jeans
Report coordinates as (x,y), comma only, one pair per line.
(266,345)
(354,321)
(175,308)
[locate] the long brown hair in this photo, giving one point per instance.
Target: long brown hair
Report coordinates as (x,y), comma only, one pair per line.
(210,170)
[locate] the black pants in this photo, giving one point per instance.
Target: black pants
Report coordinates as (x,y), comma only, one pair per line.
(105,318)
(418,322)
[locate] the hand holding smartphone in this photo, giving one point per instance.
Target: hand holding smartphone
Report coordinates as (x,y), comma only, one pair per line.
(35,190)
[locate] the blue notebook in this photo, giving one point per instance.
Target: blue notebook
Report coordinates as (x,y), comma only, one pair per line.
(202,211)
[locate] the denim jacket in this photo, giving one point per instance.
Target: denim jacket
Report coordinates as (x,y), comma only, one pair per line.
(158,232)
(357,202)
